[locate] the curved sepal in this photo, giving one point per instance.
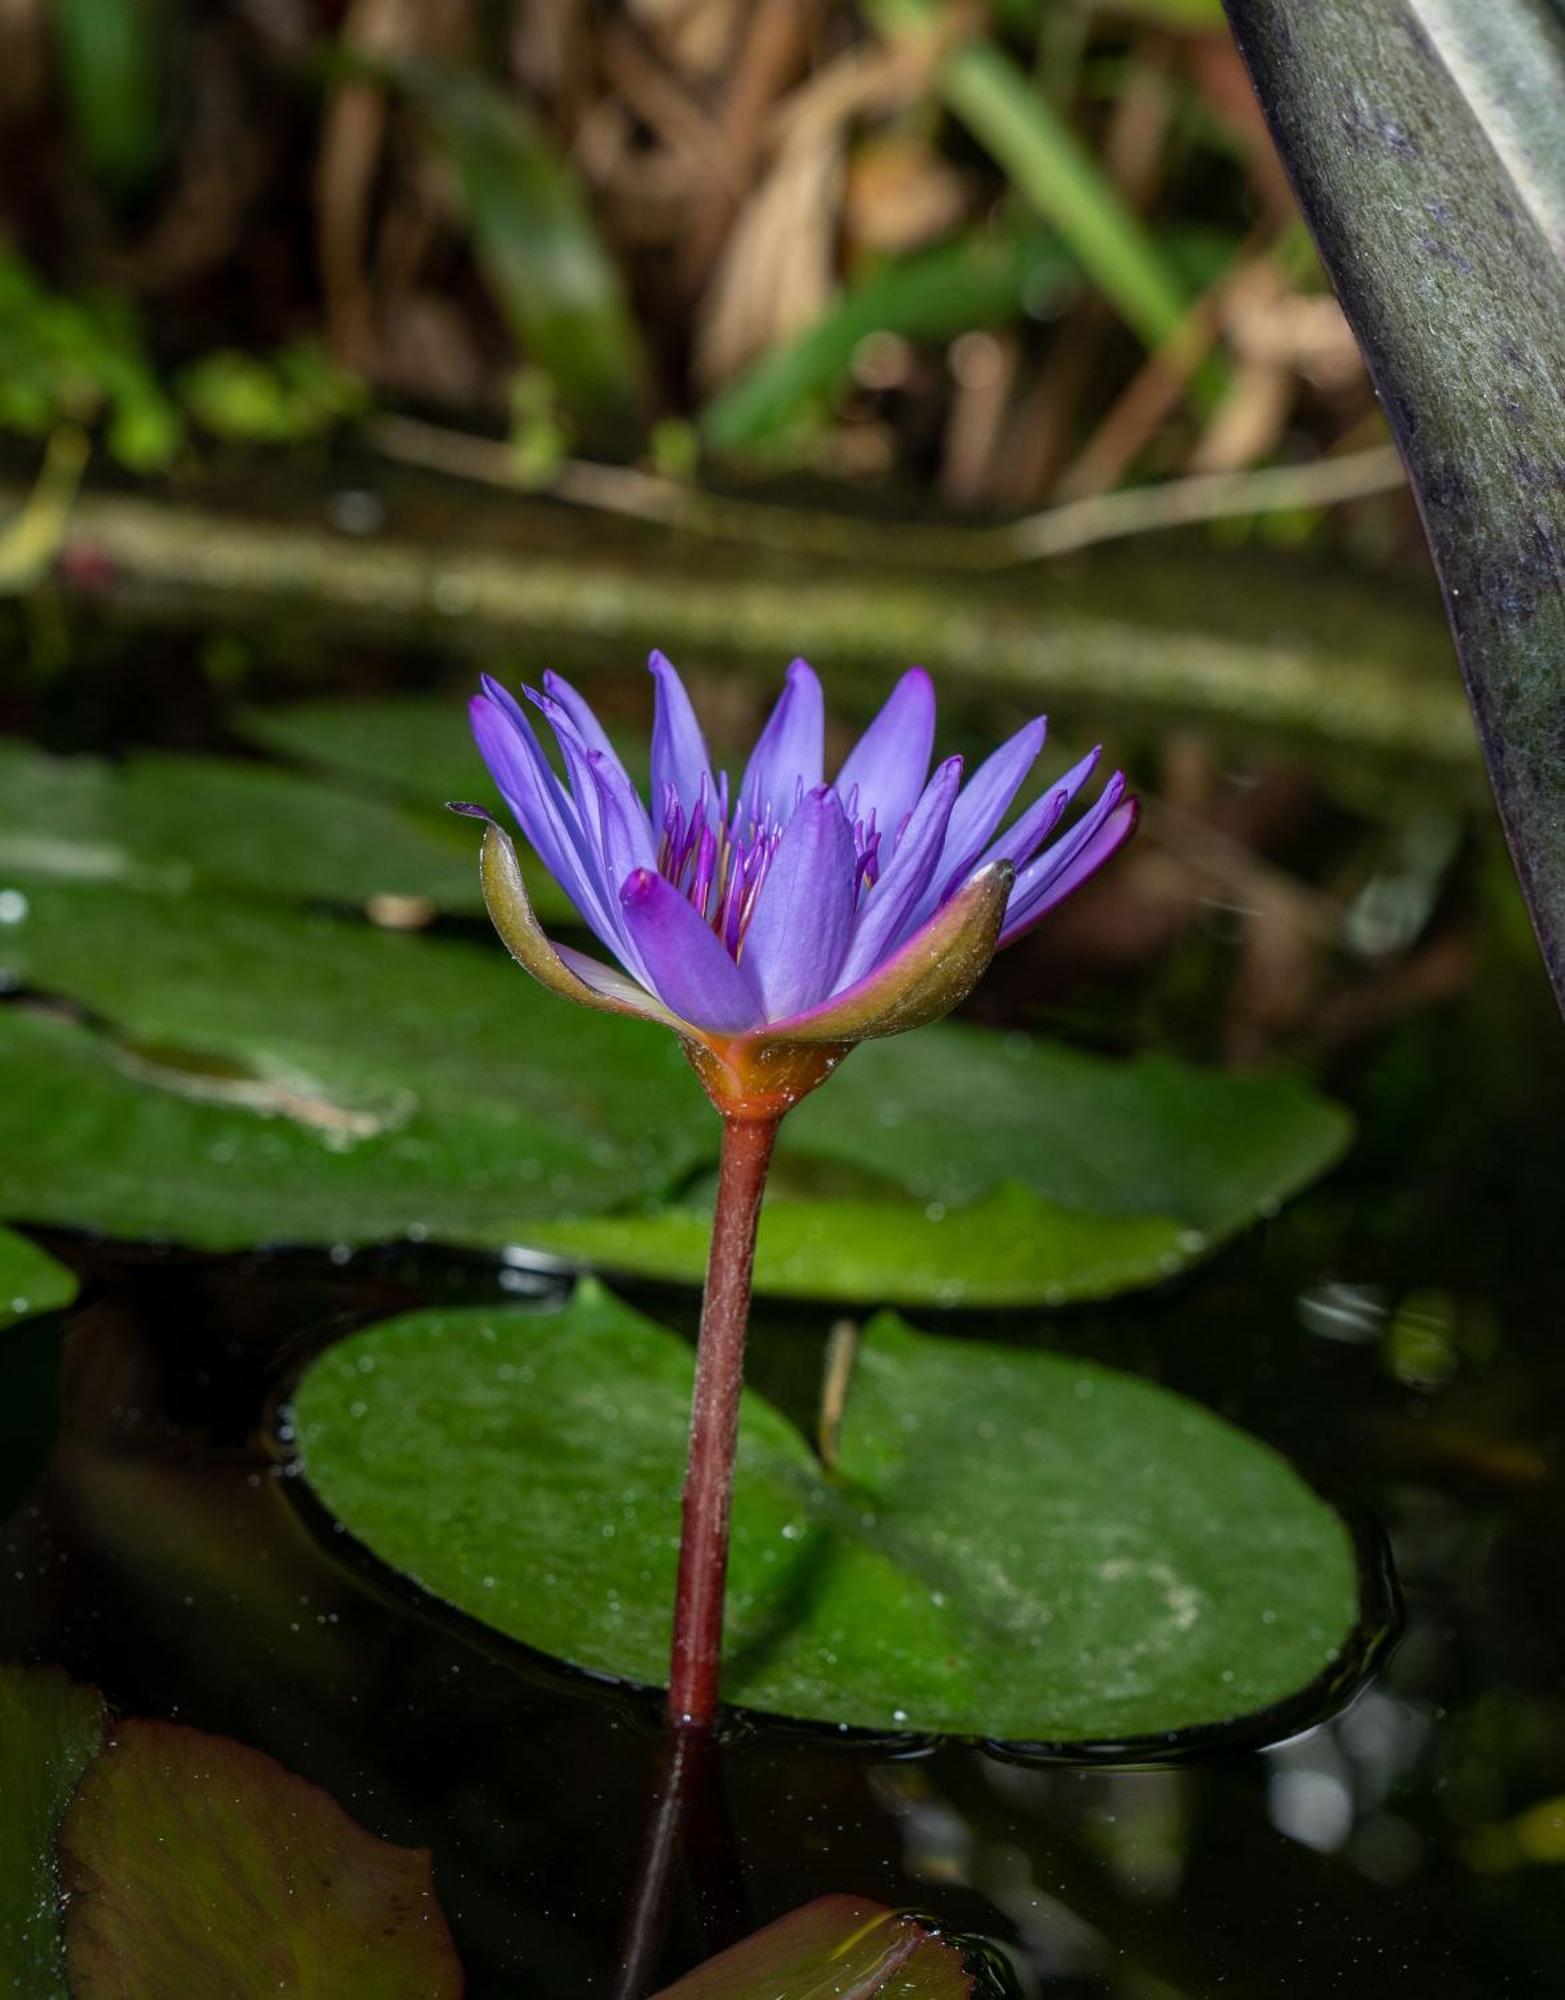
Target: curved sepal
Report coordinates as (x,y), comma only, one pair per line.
(932,973)
(569,973)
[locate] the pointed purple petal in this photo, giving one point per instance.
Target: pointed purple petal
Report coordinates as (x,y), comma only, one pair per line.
(890,762)
(1020,842)
(1057,874)
(986,798)
(594,750)
(790,749)
(890,909)
(679,753)
(543,810)
(577,707)
(803,915)
(686,966)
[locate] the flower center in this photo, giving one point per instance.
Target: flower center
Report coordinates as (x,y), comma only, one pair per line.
(719,863)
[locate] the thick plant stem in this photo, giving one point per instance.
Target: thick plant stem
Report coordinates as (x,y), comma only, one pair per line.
(714,1422)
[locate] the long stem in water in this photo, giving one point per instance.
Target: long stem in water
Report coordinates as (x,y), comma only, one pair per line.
(714,1422)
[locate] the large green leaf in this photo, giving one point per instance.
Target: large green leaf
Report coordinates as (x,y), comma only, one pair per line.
(198,1866)
(1015,1544)
(419,748)
(414,745)
(1010,1249)
(292,1077)
(837,1946)
(1426,143)
(166,822)
(30,1280)
(50,1731)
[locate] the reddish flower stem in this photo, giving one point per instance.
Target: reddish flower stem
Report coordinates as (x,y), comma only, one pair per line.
(714,1422)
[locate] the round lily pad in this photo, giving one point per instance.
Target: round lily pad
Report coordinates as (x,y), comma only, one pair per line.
(1014,1544)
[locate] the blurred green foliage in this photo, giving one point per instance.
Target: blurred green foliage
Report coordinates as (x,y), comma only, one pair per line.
(80,360)
(84,361)
(250,399)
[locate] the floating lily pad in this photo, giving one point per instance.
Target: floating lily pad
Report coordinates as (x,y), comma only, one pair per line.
(198,1866)
(269,1074)
(30,1281)
(836,1945)
(96,1137)
(415,745)
(1011,1248)
(1030,1173)
(170,823)
(1015,1544)
(50,1731)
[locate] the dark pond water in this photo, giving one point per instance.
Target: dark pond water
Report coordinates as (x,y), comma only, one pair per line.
(1396,1331)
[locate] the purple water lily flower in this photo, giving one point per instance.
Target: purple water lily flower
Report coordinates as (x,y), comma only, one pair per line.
(786,910)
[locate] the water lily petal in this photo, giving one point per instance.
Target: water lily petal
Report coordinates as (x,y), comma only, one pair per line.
(544,810)
(679,754)
(803,917)
(591,731)
(1063,869)
(890,909)
(687,967)
(1021,841)
(986,798)
(890,762)
(790,750)
(928,975)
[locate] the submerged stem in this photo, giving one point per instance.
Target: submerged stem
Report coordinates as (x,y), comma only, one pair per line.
(714,1422)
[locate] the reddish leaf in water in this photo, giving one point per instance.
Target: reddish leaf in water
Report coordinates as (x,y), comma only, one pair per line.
(197,1866)
(836,1948)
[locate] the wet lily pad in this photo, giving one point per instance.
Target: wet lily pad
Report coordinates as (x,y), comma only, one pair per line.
(837,1945)
(30,1280)
(50,1731)
(269,1074)
(1015,1544)
(198,1866)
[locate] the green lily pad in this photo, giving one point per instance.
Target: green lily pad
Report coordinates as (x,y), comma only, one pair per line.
(198,1866)
(30,1281)
(50,1731)
(419,746)
(1015,1544)
(97,1137)
(170,823)
(413,745)
(1029,1173)
(1010,1249)
(351,1085)
(838,1945)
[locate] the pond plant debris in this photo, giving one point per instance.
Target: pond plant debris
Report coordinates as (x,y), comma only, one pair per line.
(773,926)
